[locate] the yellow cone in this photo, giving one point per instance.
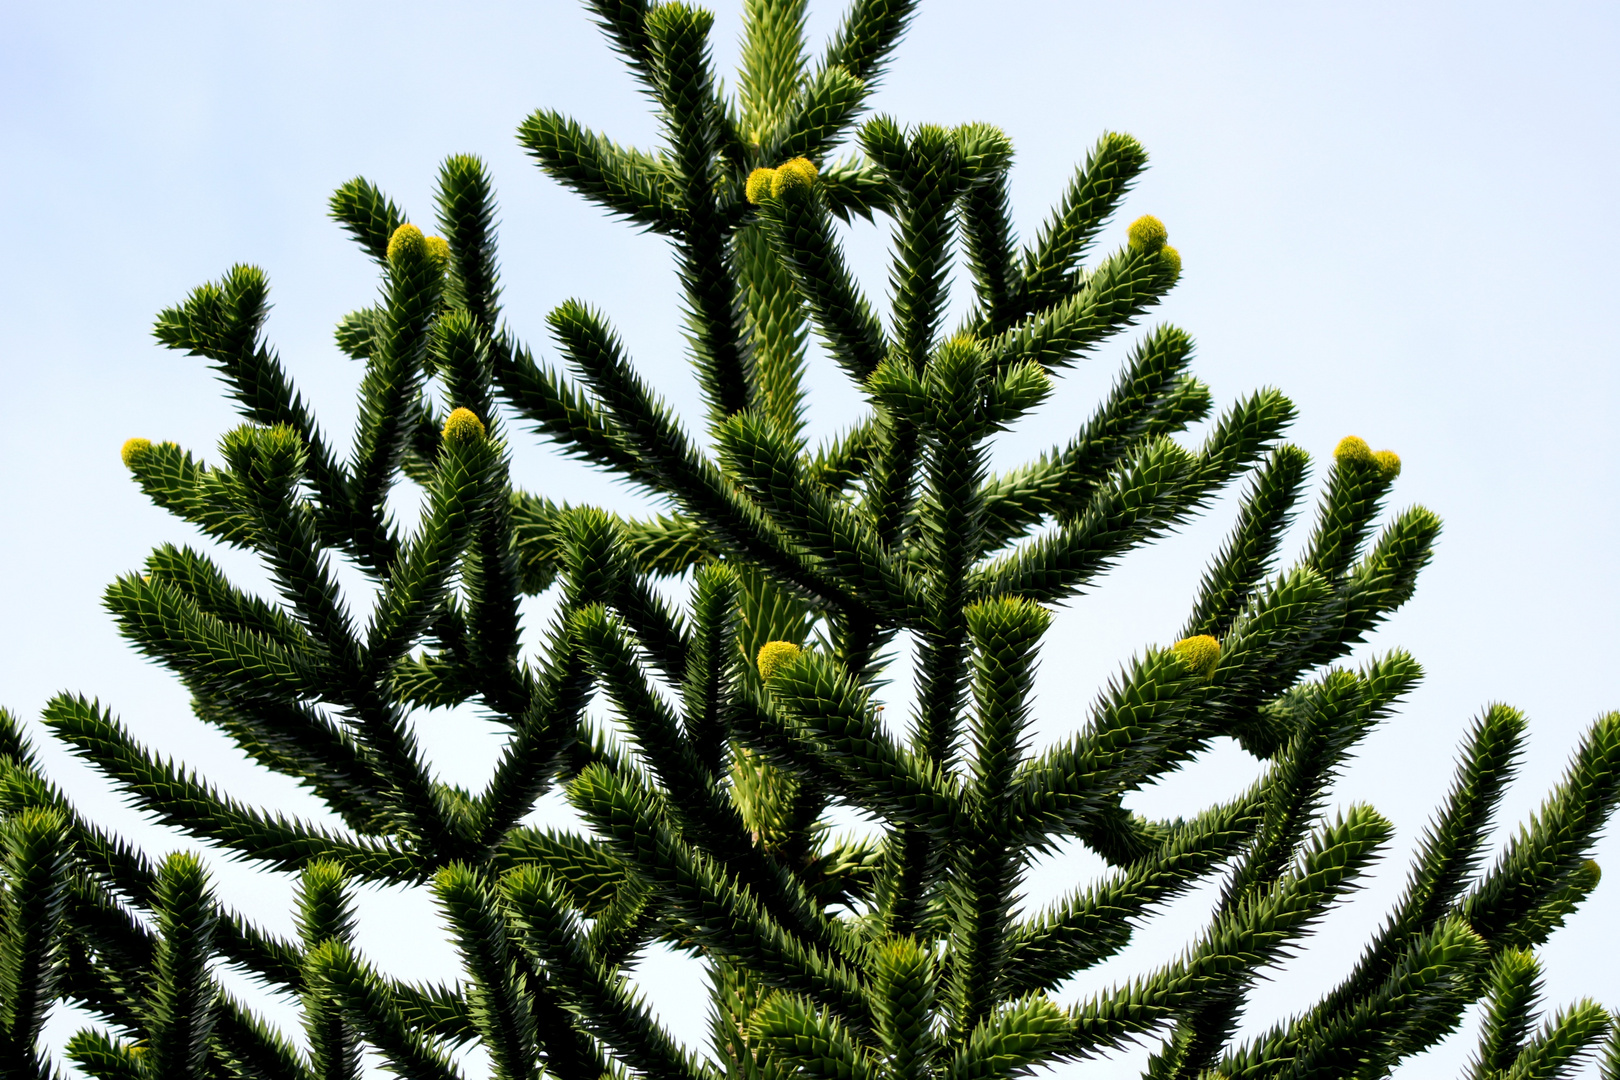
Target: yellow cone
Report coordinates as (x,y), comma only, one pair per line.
(773,654)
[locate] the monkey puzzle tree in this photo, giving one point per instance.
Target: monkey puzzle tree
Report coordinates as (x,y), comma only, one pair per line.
(741,713)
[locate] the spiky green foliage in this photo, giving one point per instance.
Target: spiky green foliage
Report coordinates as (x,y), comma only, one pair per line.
(738,640)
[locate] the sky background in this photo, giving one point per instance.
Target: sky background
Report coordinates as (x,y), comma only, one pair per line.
(1401,214)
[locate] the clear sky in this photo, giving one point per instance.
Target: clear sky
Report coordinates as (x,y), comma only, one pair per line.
(1404,215)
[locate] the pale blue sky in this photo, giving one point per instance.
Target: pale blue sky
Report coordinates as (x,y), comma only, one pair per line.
(1402,214)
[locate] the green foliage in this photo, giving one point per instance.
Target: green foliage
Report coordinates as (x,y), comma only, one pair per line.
(735,644)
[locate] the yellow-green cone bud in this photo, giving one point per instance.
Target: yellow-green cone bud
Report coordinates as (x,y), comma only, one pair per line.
(1171,258)
(758,188)
(438,249)
(1353,449)
(1147,233)
(798,173)
(406,238)
(1200,654)
(1389,464)
(133,450)
(773,654)
(463,427)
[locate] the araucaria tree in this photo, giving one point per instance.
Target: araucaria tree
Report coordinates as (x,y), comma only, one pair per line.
(736,639)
